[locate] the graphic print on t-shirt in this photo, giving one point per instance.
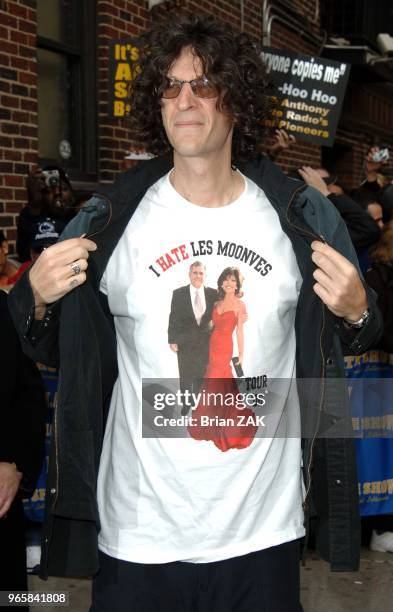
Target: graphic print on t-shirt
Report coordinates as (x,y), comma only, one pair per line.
(208,492)
(202,323)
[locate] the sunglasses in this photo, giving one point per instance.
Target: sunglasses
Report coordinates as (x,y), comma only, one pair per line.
(201,87)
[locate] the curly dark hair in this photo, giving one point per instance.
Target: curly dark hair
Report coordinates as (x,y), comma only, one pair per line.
(229,58)
(230,271)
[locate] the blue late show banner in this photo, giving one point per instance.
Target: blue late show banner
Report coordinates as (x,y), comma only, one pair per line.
(370,381)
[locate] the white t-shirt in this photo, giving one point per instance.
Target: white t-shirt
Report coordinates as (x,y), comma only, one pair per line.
(183,499)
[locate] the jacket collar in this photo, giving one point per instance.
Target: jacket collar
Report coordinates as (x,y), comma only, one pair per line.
(133,184)
(124,195)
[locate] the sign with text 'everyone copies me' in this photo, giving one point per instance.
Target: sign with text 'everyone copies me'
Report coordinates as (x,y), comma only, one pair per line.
(309,94)
(309,90)
(123,67)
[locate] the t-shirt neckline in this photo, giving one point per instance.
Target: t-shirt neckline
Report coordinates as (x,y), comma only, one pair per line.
(183,202)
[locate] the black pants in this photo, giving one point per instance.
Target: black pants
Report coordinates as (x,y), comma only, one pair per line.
(263,581)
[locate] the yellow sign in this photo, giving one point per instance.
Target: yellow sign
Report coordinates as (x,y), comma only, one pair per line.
(123,67)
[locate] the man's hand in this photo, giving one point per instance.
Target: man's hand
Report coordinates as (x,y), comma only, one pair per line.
(9,483)
(174,348)
(338,283)
(55,272)
(282,141)
(313,178)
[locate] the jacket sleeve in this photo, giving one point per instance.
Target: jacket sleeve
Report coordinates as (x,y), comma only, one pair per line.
(362,228)
(39,339)
(329,225)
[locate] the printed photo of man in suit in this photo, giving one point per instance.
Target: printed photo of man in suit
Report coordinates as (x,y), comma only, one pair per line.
(189,330)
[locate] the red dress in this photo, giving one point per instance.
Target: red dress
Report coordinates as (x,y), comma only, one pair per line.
(223,427)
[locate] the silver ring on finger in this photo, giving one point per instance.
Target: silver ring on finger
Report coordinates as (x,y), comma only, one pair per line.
(75,267)
(73,283)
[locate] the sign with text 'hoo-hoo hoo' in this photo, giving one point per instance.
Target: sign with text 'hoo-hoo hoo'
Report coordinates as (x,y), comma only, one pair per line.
(309,94)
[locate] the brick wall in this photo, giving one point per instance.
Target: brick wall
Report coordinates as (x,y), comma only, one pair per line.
(310,9)
(116,19)
(127,18)
(367,119)
(115,138)
(301,153)
(122,18)
(229,11)
(18,106)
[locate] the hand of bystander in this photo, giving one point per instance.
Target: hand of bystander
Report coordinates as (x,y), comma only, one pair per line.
(10,479)
(282,142)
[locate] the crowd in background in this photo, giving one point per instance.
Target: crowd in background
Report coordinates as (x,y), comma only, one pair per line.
(368,214)
(51,202)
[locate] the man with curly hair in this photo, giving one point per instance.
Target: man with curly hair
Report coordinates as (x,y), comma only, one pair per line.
(177,523)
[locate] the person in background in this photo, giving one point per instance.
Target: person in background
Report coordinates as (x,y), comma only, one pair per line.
(380,278)
(50,194)
(8,268)
(375,210)
(43,234)
(373,164)
(22,431)
(387,202)
(376,187)
(362,229)
(370,202)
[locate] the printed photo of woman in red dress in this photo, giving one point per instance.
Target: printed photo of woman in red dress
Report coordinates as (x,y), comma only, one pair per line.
(228,317)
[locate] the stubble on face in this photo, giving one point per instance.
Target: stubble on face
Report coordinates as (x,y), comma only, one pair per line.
(194,126)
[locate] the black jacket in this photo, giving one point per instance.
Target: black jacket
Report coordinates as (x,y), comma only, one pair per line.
(78,334)
(362,228)
(380,278)
(23,406)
